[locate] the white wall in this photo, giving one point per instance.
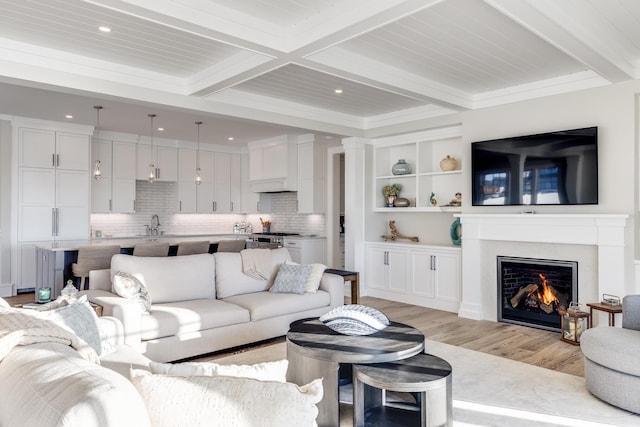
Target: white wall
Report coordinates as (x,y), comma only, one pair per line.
(5,209)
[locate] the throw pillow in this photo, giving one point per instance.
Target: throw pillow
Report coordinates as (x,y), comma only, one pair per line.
(313,282)
(226,401)
(267,371)
(79,318)
(291,279)
(132,286)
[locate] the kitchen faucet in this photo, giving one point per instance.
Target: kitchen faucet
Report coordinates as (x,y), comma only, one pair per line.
(154,229)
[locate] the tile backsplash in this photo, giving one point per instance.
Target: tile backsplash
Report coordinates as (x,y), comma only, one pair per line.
(160,198)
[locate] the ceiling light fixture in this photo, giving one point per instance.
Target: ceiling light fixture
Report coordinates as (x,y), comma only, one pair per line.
(160,129)
(198,177)
(231,138)
(104,29)
(338,91)
(68,116)
(97,173)
(152,167)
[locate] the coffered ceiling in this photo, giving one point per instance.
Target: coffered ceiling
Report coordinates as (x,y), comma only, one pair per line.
(257,68)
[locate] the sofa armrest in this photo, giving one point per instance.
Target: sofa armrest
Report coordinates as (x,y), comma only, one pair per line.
(333,284)
(125,310)
(631,312)
(112,328)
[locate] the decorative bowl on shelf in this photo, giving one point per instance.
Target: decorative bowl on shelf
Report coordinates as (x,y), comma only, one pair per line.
(402,202)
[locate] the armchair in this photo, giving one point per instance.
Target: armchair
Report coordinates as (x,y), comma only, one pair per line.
(612,358)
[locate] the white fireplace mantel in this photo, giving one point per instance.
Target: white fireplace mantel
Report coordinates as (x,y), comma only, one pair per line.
(606,231)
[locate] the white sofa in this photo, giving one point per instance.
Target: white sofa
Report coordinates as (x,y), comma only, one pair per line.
(50,384)
(205,303)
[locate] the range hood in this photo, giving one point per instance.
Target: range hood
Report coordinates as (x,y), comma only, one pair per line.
(274,185)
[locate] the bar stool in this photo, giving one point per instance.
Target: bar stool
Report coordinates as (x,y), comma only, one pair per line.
(191,248)
(96,257)
(231,245)
(151,249)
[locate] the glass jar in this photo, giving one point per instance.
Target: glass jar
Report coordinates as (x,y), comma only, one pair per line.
(401,168)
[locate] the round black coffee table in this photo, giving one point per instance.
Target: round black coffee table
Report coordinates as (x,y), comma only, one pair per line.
(316,351)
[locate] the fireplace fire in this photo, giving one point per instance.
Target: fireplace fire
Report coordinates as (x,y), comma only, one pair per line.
(530,291)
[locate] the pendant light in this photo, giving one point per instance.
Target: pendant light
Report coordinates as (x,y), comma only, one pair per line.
(97,173)
(152,167)
(198,177)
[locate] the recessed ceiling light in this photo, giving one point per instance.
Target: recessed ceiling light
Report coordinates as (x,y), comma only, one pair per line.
(104,29)
(68,116)
(231,138)
(160,129)
(338,91)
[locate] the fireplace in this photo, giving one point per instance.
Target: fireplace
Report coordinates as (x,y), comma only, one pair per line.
(530,291)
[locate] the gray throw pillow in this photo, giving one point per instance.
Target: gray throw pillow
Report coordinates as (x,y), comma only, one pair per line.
(291,279)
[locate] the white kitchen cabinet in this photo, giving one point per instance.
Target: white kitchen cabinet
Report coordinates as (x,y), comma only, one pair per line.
(187,188)
(311,181)
(235,183)
(116,191)
(206,190)
(222,183)
(250,199)
(306,250)
(429,276)
(165,160)
(52,192)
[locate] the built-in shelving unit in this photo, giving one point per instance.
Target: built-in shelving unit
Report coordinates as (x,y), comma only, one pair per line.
(423,152)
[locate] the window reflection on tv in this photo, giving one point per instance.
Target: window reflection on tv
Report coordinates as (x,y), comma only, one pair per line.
(555,168)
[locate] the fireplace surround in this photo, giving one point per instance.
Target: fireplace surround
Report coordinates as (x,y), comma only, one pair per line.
(531,290)
(605,233)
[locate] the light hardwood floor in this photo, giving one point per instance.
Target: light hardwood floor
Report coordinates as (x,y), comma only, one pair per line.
(528,345)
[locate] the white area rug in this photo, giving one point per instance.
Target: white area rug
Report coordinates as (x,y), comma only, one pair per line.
(493,391)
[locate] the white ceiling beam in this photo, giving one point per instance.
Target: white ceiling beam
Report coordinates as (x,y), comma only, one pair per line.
(548,21)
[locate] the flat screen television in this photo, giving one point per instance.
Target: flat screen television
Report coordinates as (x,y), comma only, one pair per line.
(555,168)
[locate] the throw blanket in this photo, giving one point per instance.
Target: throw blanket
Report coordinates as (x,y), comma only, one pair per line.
(256,263)
(19,328)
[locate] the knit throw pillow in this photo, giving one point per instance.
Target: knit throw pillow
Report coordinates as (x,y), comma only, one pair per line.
(291,279)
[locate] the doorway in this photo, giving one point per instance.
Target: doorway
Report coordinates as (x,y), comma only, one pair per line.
(335,208)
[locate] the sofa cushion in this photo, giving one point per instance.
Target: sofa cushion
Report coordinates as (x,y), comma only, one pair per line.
(313,281)
(230,280)
(48,384)
(170,279)
(265,371)
(226,401)
(264,305)
(175,318)
(615,348)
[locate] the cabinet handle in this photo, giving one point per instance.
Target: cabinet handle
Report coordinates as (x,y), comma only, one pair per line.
(231,206)
(433,262)
(213,206)
(134,204)
(53,221)
(58,160)
(258,206)
(53,159)
(157,173)
(110,205)
(180,208)
(291,243)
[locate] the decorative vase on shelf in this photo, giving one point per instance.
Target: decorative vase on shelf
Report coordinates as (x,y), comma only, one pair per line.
(401,168)
(448,164)
(391,200)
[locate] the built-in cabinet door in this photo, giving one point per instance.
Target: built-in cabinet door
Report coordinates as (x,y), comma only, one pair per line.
(36,204)
(397,270)
(187,191)
(447,277)
(268,162)
(376,268)
(206,190)
(167,163)
(101,150)
(124,177)
(422,282)
(72,151)
(36,148)
(222,183)
(235,183)
(250,200)
(144,159)
(72,196)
